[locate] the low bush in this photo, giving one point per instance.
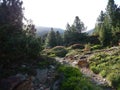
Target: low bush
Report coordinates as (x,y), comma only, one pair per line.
(74,80)
(59,51)
(77,46)
(95,47)
(103,73)
(95,69)
(114,79)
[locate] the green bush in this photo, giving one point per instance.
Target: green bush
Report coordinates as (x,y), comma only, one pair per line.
(21,47)
(114,79)
(77,46)
(96,70)
(74,80)
(103,73)
(95,47)
(59,51)
(108,66)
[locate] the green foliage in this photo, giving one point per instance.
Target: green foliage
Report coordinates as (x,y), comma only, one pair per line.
(77,46)
(103,73)
(59,51)
(95,69)
(107,65)
(21,46)
(73,34)
(96,47)
(16,42)
(74,80)
(78,24)
(108,24)
(59,40)
(15,17)
(114,78)
(51,39)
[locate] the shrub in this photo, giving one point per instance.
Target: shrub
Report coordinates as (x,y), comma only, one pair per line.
(96,47)
(21,46)
(77,46)
(103,73)
(114,79)
(96,70)
(74,80)
(59,51)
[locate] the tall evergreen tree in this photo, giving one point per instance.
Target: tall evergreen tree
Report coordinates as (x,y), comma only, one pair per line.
(110,10)
(99,23)
(11,14)
(59,39)
(51,39)
(79,25)
(15,44)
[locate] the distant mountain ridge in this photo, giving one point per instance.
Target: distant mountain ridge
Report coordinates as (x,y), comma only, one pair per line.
(44,30)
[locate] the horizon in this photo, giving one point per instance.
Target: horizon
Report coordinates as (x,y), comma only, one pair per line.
(57,14)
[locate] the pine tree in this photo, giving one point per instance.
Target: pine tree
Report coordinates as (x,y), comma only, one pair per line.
(99,23)
(79,25)
(51,39)
(110,10)
(59,39)
(11,14)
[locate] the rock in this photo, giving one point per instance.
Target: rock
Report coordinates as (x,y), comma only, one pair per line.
(21,76)
(52,67)
(23,66)
(41,75)
(41,88)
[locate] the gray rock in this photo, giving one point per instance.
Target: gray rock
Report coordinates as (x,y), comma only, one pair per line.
(23,66)
(21,76)
(52,67)
(41,75)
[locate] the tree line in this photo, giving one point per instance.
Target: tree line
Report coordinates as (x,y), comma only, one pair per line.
(106,31)
(108,25)
(73,34)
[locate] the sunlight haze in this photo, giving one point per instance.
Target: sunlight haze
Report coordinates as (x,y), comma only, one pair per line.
(57,13)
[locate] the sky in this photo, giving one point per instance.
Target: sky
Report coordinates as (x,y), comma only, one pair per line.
(57,13)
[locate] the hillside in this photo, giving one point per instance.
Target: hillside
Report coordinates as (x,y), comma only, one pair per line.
(44,30)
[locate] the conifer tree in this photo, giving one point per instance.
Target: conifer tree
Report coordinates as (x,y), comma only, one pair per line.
(51,39)
(59,39)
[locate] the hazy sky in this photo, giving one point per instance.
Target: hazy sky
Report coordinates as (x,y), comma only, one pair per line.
(57,13)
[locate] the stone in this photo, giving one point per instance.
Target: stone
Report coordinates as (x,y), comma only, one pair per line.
(52,67)
(21,76)
(23,66)
(41,88)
